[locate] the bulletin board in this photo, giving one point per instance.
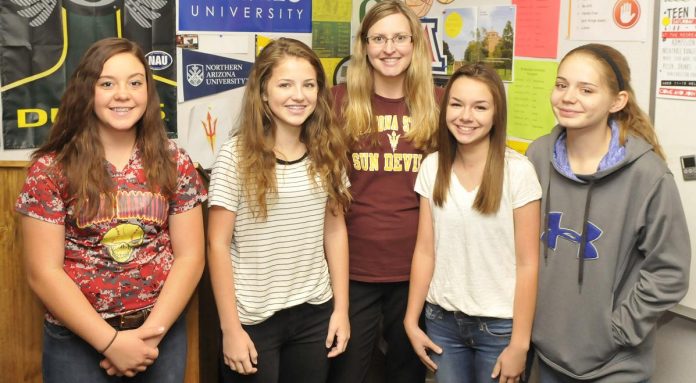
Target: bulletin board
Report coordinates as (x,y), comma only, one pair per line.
(633,29)
(674,108)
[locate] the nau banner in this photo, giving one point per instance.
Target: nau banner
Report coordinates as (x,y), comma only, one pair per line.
(206,74)
(246,15)
(41,42)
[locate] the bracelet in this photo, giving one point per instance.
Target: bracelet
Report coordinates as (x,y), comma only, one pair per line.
(110,343)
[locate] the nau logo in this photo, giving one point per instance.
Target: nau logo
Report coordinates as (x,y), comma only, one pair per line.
(555,232)
(194,74)
(159,60)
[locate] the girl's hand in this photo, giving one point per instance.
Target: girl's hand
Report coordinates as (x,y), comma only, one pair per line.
(421,344)
(510,365)
(111,370)
(130,353)
(239,352)
(339,333)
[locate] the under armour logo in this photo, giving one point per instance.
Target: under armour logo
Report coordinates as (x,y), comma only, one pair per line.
(555,231)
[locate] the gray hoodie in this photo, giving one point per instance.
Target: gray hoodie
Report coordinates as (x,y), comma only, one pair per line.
(598,304)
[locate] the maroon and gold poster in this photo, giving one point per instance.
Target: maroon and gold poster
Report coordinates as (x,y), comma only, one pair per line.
(41,42)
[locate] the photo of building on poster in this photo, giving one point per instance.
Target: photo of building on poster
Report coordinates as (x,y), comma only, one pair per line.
(484,34)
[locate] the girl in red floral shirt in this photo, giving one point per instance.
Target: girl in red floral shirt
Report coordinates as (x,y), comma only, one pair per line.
(112,227)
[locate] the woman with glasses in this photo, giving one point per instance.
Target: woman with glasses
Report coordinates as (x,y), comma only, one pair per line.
(389,111)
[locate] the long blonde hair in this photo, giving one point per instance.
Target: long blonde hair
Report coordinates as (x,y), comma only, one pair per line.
(418,83)
(632,119)
(490,192)
(325,143)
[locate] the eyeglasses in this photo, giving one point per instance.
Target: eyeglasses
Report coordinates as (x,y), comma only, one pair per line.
(396,39)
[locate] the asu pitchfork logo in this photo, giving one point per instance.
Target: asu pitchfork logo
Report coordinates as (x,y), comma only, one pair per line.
(555,231)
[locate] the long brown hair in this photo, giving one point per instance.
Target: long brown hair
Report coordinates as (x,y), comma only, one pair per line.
(418,84)
(75,141)
(632,120)
(324,141)
(491,189)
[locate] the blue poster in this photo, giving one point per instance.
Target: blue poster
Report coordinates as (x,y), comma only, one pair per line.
(245,15)
(207,74)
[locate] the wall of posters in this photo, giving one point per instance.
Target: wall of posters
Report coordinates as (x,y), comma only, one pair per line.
(674,117)
(219,41)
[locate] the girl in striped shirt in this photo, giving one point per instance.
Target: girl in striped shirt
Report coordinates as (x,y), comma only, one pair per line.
(277,240)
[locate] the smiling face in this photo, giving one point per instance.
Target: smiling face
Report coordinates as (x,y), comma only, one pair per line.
(291,92)
(581,97)
(389,60)
(120,94)
(470,111)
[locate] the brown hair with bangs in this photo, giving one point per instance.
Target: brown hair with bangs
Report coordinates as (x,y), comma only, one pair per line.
(75,141)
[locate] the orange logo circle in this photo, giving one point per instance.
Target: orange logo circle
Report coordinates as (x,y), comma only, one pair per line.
(419,7)
(626,13)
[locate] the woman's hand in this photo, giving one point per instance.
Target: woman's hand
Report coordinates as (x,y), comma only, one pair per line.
(510,365)
(131,351)
(239,352)
(111,370)
(339,333)
(421,344)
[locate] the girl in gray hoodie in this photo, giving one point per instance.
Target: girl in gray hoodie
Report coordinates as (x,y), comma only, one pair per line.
(615,247)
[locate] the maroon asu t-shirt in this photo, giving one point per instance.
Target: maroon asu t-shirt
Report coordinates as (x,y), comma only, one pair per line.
(383,217)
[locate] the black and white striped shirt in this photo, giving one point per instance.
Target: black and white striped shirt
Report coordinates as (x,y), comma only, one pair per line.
(278,262)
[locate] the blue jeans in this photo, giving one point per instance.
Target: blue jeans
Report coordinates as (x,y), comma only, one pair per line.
(470,345)
(69,359)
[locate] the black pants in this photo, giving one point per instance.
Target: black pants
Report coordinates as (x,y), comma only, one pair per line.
(370,303)
(291,347)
